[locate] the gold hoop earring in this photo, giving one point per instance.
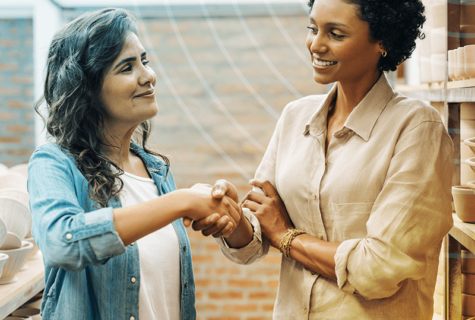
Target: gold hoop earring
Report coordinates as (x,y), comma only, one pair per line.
(384,54)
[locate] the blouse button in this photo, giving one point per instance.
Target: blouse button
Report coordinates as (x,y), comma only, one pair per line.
(314,196)
(69,236)
(132,318)
(320,236)
(133,280)
(305,310)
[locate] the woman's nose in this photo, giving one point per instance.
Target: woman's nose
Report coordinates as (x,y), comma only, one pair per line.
(318,44)
(147,76)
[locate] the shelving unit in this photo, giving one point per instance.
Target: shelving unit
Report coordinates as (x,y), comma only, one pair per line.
(30,282)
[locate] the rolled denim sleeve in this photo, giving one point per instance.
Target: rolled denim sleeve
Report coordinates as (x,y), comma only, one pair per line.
(410,217)
(68,237)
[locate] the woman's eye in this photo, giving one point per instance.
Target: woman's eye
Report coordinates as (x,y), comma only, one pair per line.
(129,68)
(336,36)
(314,30)
(145,62)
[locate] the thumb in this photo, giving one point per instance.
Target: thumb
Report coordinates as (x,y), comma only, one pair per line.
(187,222)
(222,188)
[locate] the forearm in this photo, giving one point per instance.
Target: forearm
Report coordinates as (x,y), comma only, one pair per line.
(242,235)
(315,254)
(135,222)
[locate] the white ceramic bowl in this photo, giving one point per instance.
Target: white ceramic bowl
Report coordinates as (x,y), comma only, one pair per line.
(425,70)
(471,143)
(3,168)
(451,59)
(3,260)
(438,65)
(469,62)
(438,40)
(16,258)
(17,194)
(3,232)
(460,65)
(34,250)
(34,313)
(16,215)
(13,180)
(21,169)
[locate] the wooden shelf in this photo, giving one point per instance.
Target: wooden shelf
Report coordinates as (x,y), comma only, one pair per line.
(461,84)
(30,282)
(464,233)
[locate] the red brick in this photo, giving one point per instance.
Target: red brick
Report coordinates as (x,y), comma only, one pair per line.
(212,246)
(5,91)
(223,318)
(244,283)
(208,306)
(273,284)
(8,66)
(10,139)
(272,259)
(224,270)
(256,318)
(204,259)
(9,43)
(18,104)
(20,152)
(198,294)
(225,295)
(8,116)
(240,308)
(262,295)
(18,128)
(22,79)
(28,92)
(268,307)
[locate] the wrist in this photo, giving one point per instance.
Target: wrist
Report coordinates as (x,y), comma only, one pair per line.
(182,200)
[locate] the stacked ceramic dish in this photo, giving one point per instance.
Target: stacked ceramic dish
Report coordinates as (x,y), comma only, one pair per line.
(15,215)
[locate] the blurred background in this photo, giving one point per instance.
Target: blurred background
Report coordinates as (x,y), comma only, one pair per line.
(226,69)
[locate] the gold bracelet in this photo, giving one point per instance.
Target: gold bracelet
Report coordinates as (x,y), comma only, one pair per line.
(286,242)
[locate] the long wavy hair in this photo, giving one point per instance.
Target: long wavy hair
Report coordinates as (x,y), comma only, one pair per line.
(79,57)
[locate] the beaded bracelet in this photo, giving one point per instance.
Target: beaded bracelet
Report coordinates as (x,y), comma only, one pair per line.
(286,242)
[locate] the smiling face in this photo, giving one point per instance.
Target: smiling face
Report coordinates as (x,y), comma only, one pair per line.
(128,92)
(339,44)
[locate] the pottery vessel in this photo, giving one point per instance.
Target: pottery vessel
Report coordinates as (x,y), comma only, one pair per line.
(439,15)
(438,65)
(451,64)
(11,242)
(467,12)
(467,35)
(438,40)
(3,168)
(21,169)
(469,62)
(16,215)
(13,180)
(468,283)
(464,201)
(17,194)
(17,318)
(460,65)
(3,232)
(15,260)
(425,70)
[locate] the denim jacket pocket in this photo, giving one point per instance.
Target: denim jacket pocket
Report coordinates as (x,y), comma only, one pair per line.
(349,220)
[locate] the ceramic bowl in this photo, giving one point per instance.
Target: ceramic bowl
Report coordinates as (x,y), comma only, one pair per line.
(34,313)
(11,242)
(469,62)
(21,169)
(438,40)
(471,143)
(3,232)
(439,15)
(3,260)
(464,201)
(425,70)
(13,180)
(468,262)
(34,250)
(451,61)
(467,34)
(17,318)
(438,64)
(468,305)
(468,283)
(460,66)
(17,194)
(3,168)
(16,258)
(16,215)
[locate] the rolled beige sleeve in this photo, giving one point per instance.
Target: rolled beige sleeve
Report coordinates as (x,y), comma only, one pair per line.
(411,214)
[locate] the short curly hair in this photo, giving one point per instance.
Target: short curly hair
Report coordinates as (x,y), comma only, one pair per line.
(396,23)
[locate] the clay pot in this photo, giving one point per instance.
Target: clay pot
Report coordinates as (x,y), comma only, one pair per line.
(468,262)
(469,63)
(464,201)
(467,11)
(468,283)
(451,59)
(468,305)
(467,35)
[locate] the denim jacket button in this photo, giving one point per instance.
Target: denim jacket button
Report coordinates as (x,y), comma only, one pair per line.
(132,243)
(69,236)
(184,248)
(186,284)
(133,280)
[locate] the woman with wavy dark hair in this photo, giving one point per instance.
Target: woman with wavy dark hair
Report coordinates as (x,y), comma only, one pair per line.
(106,212)
(357,182)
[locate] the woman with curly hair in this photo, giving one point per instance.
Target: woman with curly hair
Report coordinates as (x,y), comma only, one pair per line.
(357,182)
(106,212)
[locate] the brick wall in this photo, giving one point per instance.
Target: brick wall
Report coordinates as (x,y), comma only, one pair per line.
(225,290)
(16,91)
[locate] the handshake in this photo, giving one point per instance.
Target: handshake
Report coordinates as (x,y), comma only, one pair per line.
(214,210)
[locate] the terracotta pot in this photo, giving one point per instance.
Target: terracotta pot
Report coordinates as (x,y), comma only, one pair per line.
(467,11)
(467,34)
(464,201)
(468,283)
(468,305)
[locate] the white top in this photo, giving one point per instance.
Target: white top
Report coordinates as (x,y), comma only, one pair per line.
(159,295)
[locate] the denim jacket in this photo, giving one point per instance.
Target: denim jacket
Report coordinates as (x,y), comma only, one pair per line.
(88,270)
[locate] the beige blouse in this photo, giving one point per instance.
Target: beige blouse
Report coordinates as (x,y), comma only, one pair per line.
(383,190)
